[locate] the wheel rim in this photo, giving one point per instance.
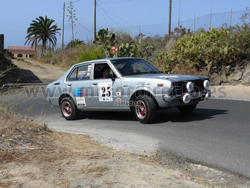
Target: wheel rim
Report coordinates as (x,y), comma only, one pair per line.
(66,109)
(140,109)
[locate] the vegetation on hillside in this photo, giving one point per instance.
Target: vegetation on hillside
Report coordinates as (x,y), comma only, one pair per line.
(185,52)
(207,50)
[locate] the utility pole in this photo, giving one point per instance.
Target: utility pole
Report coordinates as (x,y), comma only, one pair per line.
(2,63)
(210,24)
(179,14)
(231,17)
(169,18)
(94,20)
(139,31)
(63,26)
(194,23)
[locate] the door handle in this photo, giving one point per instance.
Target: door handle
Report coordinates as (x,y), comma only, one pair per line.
(69,85)
(94,84)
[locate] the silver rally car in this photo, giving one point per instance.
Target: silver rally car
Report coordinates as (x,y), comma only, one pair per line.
(122,84)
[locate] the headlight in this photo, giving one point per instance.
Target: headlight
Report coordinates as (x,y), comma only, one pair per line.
(171,89)
(190,86)
(206,84)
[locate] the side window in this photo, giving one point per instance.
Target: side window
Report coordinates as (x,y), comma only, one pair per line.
(80,73)
(103,71)
(72,77)
(83,72)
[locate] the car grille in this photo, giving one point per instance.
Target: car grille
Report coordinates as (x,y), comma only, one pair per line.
(180,87)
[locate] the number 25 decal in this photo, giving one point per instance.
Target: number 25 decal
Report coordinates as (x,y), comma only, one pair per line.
(105,92)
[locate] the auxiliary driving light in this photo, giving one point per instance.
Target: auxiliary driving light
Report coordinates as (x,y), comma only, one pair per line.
(190,86)
(186,98)
(208,95)
(206,84)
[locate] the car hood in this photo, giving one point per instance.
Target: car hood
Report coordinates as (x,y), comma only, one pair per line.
(170,77)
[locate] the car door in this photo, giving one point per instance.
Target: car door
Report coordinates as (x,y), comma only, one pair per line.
(105,92)
(78,83)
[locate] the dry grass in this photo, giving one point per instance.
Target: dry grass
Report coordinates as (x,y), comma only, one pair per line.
(96,171)
(184,69)
(64,59)
(23,140)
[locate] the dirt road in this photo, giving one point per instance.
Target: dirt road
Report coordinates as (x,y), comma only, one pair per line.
(35,72)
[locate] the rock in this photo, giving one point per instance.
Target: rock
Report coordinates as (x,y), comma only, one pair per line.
(223,78)
(245,80)
(228,67)
(215,79)
(234,82)
(235,76)
(248,67)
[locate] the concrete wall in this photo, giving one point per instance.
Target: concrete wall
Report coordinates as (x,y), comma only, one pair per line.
(26,54)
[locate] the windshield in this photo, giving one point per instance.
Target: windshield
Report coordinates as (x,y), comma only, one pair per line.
(134,66)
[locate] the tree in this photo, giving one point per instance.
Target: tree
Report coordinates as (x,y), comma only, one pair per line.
(245,18)
(42,30)
(74,43)
(72,18)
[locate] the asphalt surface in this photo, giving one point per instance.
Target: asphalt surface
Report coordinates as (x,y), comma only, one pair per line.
(217,134)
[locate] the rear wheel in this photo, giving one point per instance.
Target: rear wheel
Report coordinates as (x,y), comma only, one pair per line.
(68,109)
(187,108)
(145,109)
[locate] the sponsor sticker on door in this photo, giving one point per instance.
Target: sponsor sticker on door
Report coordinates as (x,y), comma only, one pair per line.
(80,96)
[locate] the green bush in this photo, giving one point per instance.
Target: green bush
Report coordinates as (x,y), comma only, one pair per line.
(209,50)
(74,43)
(20,55)
(91,54)
(241,40)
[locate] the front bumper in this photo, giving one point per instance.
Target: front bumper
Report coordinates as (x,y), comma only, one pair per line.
(194,95)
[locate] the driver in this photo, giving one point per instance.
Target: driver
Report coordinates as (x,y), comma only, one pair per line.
(105,72)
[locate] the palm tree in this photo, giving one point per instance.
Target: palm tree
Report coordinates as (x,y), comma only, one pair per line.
(42,30)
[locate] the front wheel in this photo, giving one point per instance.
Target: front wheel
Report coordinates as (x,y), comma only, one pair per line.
(68,109)
(187,108)
(145,109)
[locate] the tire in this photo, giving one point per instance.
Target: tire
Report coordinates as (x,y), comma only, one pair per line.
(145,109)
(187,109)
(68,109)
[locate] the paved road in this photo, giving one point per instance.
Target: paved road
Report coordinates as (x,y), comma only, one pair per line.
(216,134)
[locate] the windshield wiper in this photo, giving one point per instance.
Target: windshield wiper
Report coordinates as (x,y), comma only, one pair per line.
(146,72)
(149,72)
(132,73)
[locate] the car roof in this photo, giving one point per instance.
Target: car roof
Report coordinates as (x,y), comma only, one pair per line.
(106,59)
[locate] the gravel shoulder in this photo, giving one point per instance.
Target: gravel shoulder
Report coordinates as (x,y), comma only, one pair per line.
(229,92)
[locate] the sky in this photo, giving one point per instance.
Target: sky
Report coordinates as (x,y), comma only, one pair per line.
(151,16)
